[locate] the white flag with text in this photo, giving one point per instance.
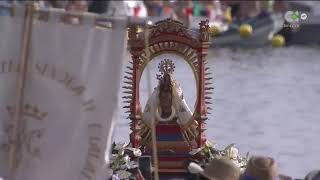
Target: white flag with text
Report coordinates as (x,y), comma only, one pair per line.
(70,98)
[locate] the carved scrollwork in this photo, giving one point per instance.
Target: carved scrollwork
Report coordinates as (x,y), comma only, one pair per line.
(170,26)
(189,55)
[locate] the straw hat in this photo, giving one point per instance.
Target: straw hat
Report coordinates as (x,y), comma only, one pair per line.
(221,169)
(262,168)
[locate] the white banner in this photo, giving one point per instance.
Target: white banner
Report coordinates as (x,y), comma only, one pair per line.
(70,99)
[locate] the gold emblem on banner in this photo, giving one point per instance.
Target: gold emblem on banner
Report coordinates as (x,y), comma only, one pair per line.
(28,137)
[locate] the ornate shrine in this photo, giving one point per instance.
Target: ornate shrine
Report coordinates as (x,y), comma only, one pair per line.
(178,130)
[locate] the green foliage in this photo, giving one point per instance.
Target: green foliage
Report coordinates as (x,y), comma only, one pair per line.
(121,160)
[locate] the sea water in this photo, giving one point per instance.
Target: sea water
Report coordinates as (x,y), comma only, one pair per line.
(265,100)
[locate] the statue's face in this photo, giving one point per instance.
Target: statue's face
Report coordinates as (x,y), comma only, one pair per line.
(165,95)
(166,83)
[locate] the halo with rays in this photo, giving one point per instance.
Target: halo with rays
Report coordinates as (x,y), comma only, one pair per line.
(166,66)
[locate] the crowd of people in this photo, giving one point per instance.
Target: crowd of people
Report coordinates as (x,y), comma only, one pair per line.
(69,5)
(177,9)
(237,9)
(258,168)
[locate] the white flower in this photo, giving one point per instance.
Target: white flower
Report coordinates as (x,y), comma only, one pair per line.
(126,158)
(115,177)
(194,168)
(122,174)
(234,153)
(236,163)
(242,170)
(136,151)
(132,165)
(120,146)
(243,163)
(121,152)
(208,143)
(195,151)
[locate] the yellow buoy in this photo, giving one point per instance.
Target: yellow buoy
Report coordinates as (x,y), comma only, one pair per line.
(214,30)
(278,41)
(245,30)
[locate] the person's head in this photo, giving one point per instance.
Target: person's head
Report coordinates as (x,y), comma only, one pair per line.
(313,175)
(262,168)
(79,5)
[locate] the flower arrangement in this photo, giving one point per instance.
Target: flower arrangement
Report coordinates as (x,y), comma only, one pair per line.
(123,158)
(122,163)
(209,152)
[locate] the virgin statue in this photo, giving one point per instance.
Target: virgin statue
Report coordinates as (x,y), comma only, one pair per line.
(167,106)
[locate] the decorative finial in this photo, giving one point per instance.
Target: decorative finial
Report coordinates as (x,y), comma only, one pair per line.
(166,66)
(204,30)
(132,33)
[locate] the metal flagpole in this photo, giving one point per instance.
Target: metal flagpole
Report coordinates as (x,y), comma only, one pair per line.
(153,126)
(24,53)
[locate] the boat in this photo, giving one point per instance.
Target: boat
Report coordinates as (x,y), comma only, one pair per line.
(166,129)
(264,27)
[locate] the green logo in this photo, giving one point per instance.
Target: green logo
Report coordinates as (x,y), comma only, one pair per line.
(295,16)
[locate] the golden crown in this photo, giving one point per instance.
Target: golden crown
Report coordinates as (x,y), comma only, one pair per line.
(166,66)
(29,111)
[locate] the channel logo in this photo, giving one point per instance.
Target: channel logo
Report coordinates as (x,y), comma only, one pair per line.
(294,16)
